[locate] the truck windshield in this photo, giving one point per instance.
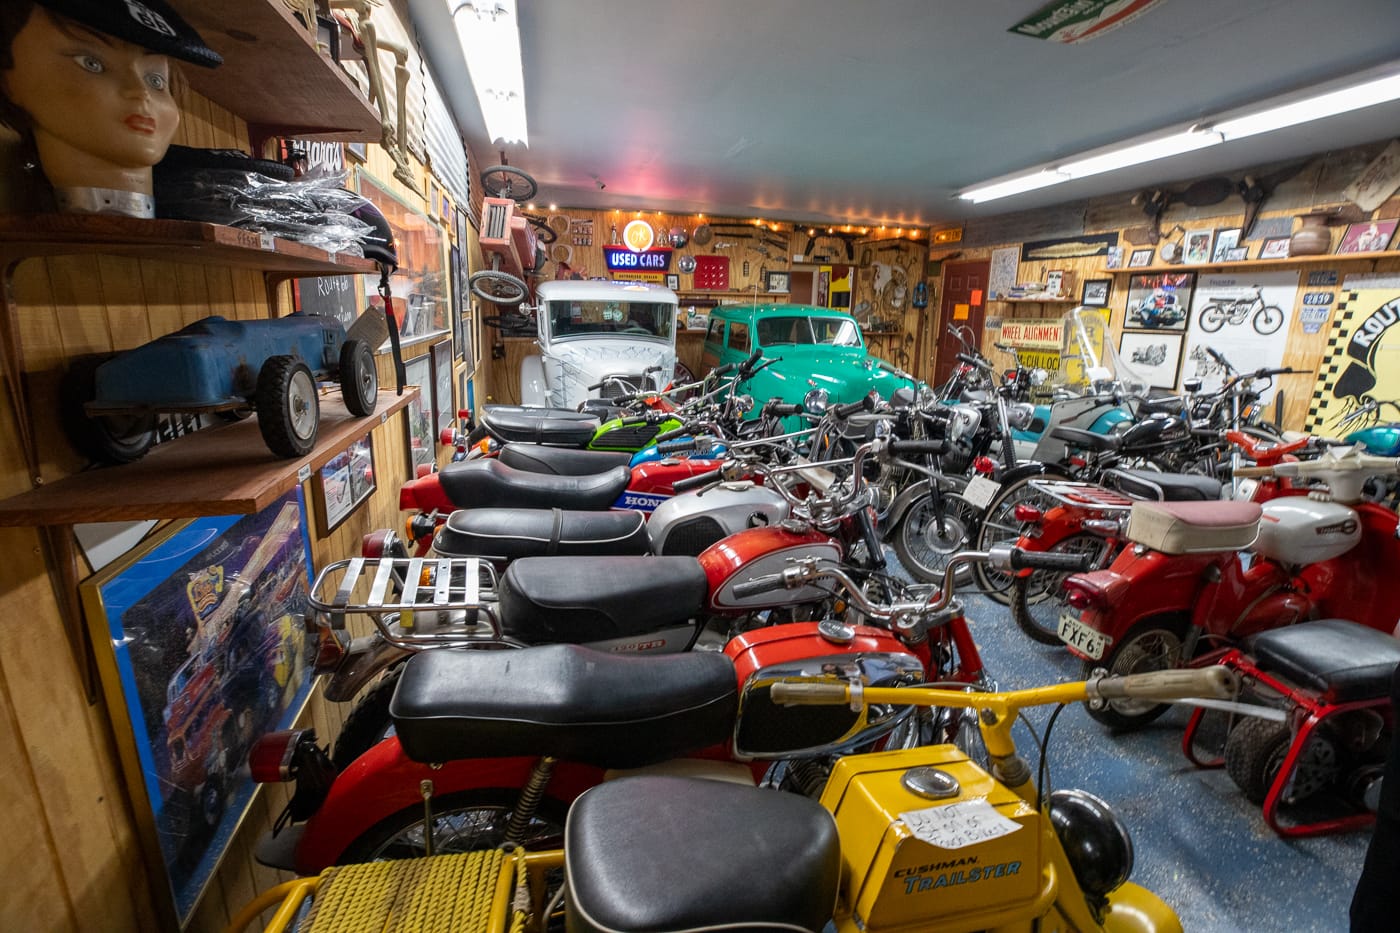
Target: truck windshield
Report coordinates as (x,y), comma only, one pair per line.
(832,331)
(587,318)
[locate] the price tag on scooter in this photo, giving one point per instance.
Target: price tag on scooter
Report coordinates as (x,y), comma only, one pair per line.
(980,491)
(958,825)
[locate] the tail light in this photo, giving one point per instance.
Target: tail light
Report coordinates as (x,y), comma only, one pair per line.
(1026,512)
(447,437)
(376,543)
(271,757)
(279,757)
(984,465)
(465,419)
(1082,595)
(424,469)
(332,644)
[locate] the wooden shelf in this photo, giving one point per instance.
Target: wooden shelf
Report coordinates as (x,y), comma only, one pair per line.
(173,240)
(273,75)
(1324,260)
(1036,301)
(226,470)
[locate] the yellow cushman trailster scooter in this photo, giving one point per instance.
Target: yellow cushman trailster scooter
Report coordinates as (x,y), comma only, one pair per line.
(902,841)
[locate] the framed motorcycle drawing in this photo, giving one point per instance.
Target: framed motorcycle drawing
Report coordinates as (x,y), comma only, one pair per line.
(1155,357)
(199,642)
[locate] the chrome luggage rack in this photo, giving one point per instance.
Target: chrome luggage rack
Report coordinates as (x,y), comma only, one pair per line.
(1084,495)
(413,601)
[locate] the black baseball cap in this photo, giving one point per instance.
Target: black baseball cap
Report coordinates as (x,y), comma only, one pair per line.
(151,24)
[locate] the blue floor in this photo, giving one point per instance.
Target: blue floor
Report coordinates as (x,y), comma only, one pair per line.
(1199,844)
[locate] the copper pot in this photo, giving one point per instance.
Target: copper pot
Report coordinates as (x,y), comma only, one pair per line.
(1313,238)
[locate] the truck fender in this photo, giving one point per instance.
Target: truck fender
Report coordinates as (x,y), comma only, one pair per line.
(533,390)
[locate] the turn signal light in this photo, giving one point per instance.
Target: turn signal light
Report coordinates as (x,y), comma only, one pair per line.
(424,469)
(447,437)
(1026,512)
(270,758)
(984,465)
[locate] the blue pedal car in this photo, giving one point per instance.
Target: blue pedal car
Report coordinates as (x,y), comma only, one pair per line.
(222,367)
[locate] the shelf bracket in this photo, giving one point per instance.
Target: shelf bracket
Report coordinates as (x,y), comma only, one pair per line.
(14,366)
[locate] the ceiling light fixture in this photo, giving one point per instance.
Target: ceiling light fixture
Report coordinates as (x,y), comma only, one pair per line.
(1377,86)
(490,38)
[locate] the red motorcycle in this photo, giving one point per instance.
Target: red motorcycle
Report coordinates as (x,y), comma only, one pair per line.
(491,747)
(1203,576)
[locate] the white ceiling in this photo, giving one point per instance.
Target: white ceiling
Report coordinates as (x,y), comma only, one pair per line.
(877,111)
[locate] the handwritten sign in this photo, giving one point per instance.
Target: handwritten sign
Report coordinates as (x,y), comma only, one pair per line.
(331,295)
(958,825)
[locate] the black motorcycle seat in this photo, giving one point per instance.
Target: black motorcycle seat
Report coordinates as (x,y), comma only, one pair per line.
(1342,660)
(631,848)
(586,599)
(539,425)
(492,484)
(1163,487)
(562,461)
(1085,440)
(502,535)
(595,707)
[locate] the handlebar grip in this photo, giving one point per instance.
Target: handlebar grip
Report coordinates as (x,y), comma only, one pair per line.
(845,411)
(781,408)
(671,435)
(1214,682)
(724,370)
(969,360)
(746,367)
(763,584)
(787,694)
(632,421)
(1050,560)
(697,481)
(933,448)
(675,447)
(1246,471)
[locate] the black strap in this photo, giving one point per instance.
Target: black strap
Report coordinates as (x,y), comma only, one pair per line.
(555,533)
(399,375)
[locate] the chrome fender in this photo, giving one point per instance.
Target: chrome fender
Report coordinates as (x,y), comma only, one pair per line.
(533,389)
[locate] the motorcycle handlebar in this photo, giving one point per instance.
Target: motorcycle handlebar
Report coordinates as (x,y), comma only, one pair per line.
(697,481)
(845,411)
(675,447)
(933,448)
(1215,682)
(1050,560)
(781,409)
(763,584)
(672,434)
(746,368)
(973,361)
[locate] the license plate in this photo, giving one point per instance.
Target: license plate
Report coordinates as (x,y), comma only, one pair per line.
(1079,636)
(980,491)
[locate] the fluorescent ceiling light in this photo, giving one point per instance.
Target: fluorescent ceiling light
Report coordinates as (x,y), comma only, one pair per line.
(1361,92)
(490,38)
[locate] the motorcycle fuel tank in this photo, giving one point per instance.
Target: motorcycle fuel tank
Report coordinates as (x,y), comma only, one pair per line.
(905,859)
(1297,530)
(688,524)
(759,552)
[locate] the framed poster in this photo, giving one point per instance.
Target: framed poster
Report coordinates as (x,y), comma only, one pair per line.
(342,485)
(199,641)
(443,410)
(1362,359)
(420,286)
(778,283)
(459,280)
(1154,356)
(418,414)
(1246,318)
(1367,237)
(1095,293)
(1160,301)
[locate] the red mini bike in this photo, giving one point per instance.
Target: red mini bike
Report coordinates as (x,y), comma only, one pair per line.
(1200,577)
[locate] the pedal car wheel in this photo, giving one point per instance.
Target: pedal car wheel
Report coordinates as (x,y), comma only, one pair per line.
(289,411)
(359,382)
(1253,754)
(110,438)
(497,287)
(1151,645)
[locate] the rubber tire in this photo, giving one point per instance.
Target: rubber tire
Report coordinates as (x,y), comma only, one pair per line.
(100,438)
(359,380)
(499,181)
(1024,589)
(1264,313)
(1112,716)
(1254,752)
(1216,317)
(369,722)
(907,540)
(368,846)
(278,382)
(498,287)
(995,585)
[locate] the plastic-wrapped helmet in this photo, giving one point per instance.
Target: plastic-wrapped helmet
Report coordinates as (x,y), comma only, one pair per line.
(378,241)
(1095,841)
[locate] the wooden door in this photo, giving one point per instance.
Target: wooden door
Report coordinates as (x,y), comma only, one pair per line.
(964,302)
(800,285)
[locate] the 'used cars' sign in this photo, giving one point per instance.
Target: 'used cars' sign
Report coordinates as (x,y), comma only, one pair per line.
(622,259)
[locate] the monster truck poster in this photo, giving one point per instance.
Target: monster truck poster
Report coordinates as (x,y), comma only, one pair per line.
(207,654)
(1245,318)
(1362,358)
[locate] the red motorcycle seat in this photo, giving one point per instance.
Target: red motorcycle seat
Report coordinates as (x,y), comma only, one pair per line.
(1194,527)
(595,707)
(1344,661)
(502,535)
(664,854)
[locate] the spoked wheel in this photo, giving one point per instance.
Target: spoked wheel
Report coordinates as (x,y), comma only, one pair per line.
(497,287)
(512,323)
(1038,599)
(469,821)
(507,181)
(923,546)
(1151,645)
(369,723)
(543,231)
(1267,320)
(1212,318)
(999,526)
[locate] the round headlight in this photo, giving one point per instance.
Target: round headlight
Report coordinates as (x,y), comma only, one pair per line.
(743,404)
(1020,415)
(815,401)
(1039,376)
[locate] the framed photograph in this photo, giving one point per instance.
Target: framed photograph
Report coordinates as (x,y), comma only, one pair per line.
(778,283)
(1140,258)
(342,485)
(1095,293)
(1225,240)
(199,641)
(1369,236)
(1195,247)
(1274,248)
(1238,254)
(1113,258)
(443,409)
(1160,301)
(418,414)
(673,281)
(1154,356)
(1054,281)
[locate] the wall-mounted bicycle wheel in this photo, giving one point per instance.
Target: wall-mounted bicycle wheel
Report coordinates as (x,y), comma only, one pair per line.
(501,288)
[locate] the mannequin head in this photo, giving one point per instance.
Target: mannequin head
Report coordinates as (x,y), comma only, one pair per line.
(92,93)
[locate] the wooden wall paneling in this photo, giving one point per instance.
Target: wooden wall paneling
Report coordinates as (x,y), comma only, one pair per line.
(160,283)
(125,301)
(75,290)
(249,302)
(42,345)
